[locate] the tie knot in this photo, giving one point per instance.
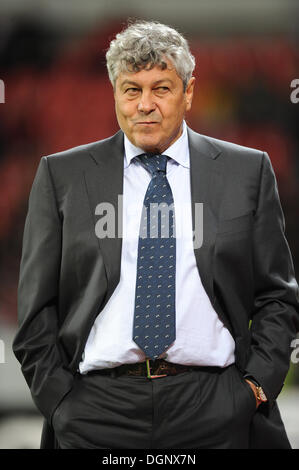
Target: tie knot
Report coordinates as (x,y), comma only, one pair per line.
(153,163)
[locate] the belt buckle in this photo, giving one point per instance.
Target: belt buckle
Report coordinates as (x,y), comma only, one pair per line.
(149,375)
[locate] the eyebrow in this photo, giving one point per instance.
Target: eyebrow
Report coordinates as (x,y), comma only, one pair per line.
(158,82)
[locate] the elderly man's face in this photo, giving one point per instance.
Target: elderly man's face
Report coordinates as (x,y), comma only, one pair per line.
(150,106)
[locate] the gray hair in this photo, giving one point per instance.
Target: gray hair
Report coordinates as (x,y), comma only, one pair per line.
(144,44)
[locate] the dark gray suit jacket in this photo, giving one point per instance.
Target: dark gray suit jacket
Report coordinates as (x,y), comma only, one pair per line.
(68,274)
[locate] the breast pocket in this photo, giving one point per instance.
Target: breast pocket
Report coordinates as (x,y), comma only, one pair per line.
(236,225)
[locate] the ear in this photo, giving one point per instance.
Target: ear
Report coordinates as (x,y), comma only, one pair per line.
(189,93)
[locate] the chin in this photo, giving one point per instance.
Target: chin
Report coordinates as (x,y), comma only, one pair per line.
(148,145)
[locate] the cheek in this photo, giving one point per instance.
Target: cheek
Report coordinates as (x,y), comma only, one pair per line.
(123,108)
(129,111)
(172,119)
(174,110)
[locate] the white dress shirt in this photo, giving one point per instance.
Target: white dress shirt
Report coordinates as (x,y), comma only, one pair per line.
(201,337)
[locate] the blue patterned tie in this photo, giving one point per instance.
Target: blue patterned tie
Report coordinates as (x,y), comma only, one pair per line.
(154,315)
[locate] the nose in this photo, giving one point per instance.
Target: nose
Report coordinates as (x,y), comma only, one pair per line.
(146,104)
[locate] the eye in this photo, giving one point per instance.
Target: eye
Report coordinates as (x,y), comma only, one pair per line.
(162,89)
(132,91)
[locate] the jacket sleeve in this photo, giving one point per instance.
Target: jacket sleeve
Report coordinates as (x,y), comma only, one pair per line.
(275,316)
(35,344)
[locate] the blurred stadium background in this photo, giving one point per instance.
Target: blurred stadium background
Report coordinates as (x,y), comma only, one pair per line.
(57,95)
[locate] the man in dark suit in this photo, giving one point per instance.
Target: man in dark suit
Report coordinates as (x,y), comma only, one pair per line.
(172,340)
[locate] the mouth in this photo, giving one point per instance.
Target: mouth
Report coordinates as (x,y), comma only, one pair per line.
(146,123)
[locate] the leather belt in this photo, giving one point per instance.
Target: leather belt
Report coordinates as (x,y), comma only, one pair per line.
(151,369)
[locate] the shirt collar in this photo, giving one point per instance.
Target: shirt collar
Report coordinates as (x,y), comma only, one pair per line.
(178,151)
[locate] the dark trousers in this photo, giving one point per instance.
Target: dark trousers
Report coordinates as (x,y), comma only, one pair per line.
(209,408)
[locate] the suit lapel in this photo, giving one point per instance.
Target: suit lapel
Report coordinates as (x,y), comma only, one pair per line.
(104,183)
(206,184)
